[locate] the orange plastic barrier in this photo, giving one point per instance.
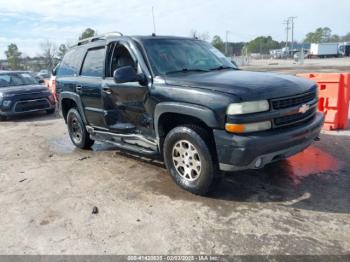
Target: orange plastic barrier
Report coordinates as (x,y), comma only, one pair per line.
(334,96)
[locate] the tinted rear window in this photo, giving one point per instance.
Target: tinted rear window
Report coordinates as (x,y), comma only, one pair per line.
(93,63)
(71,63)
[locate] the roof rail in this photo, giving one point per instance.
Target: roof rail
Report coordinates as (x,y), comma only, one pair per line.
(98,37)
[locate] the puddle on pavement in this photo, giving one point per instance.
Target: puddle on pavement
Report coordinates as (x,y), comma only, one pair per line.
(62,145)
(312,161)
(300,181)
(313,179)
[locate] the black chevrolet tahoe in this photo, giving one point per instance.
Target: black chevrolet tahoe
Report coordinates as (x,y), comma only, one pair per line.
(183,100)
(21,93)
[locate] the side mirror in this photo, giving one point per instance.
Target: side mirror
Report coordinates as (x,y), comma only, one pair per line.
(126,74)
(41,81)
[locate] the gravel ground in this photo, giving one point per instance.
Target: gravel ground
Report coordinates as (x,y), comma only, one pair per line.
(49,190)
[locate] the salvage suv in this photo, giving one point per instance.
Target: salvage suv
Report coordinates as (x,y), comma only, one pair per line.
(183,100)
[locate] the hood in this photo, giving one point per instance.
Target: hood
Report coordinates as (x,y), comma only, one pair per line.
(244,84)
(22,90)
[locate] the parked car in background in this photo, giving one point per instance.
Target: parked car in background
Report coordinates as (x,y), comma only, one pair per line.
(37,78)
(51,84)
(21,93)
(45,74)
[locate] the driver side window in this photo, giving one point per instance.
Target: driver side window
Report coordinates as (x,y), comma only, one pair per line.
(120,57)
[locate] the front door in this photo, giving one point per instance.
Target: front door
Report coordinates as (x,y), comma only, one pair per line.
(124,103)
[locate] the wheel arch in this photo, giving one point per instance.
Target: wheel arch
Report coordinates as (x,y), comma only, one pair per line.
(69,100)
(171,114)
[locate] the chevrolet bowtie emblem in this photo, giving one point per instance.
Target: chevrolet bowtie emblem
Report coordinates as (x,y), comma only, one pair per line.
(304,108)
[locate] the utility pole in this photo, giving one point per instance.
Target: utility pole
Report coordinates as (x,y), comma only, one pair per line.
(286,22)
(291,19)
(226,45)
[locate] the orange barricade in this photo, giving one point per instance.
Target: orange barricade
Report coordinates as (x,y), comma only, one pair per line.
(334,95)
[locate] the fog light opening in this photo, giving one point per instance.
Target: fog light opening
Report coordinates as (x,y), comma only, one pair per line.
(258,163)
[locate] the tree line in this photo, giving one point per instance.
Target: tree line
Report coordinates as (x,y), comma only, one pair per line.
(51,54)
(263,44)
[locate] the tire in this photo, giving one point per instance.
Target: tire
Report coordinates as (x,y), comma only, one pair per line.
(50,111)
(77,131)
(189,160)
(3,118)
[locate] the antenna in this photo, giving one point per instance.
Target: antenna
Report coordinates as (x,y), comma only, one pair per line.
(154,21)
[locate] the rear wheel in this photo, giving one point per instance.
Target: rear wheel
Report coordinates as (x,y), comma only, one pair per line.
(188,157)
(3,118)
(77,131)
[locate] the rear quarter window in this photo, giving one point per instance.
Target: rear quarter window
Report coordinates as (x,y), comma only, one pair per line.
(71,63)
(94,63)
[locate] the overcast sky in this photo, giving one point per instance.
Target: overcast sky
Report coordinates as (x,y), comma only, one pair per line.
(29,22)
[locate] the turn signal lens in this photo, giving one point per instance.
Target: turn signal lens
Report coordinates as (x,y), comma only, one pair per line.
(247,128)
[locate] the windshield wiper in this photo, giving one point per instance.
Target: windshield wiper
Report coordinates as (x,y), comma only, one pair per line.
(222,68)
(184,70)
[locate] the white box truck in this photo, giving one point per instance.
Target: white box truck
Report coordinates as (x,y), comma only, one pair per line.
(324,50)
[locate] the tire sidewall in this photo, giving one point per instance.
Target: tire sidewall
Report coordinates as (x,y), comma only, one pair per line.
(203,183)
(74,113)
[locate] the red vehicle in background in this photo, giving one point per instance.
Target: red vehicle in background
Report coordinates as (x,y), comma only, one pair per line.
(51,83)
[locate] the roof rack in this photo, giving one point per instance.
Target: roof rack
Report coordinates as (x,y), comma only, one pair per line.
(98,37)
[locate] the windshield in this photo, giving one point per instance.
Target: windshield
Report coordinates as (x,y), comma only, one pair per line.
(169,56)
(16,79)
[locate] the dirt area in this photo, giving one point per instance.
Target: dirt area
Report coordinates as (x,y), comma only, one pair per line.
(325,65)
(49,190)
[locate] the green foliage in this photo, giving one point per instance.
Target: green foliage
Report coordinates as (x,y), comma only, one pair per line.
(321,35)
(13,57)
(235,48)
(218,43)
(262,45)
(324,35)
(346,38)
(87,33)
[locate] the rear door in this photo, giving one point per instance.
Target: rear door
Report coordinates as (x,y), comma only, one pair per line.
(68,71)
(90,83)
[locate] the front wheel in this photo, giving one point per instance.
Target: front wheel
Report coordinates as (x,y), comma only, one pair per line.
(189,157)
(77,131)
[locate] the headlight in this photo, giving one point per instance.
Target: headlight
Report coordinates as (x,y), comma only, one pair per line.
(248,107)
(248,128)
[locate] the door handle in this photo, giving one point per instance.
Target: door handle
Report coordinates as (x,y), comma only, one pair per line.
(107,90)
(78,89)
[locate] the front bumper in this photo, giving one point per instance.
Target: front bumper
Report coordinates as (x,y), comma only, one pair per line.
(253,151)
(32,106)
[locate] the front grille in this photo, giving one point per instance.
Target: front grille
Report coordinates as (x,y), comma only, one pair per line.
(294,119)
(31,96)
(31,105)
(283,103)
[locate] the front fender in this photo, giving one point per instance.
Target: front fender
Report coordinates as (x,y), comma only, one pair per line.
(204,114)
